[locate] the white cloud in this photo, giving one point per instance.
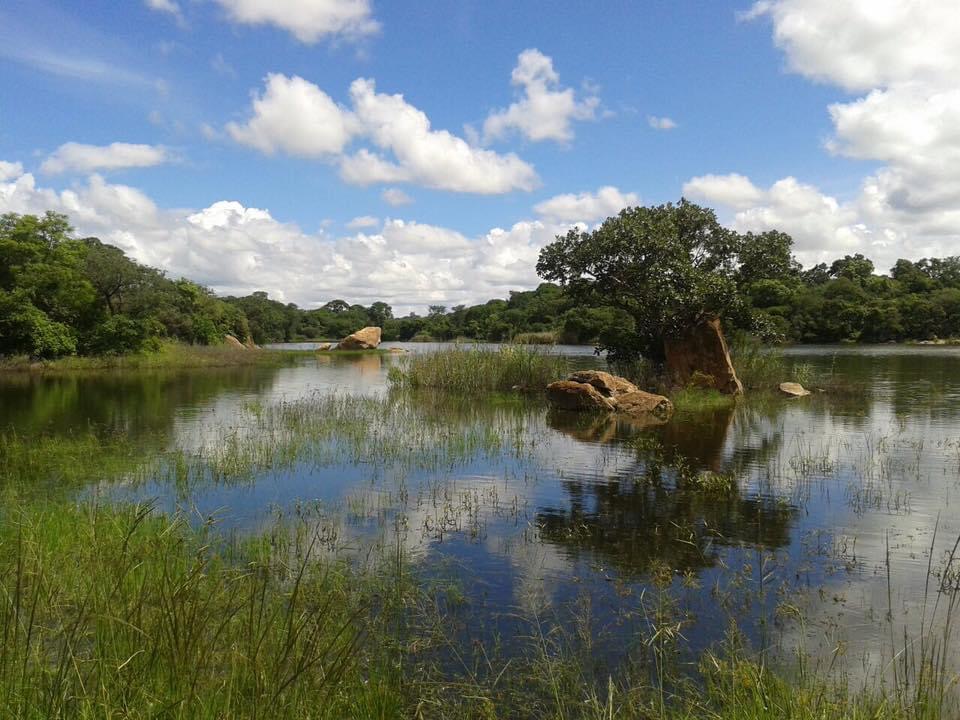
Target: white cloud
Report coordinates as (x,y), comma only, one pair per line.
(586,207)
(396,197)
(10,170)
(661,123)
(307,20)
(905,56)
(80,158)
(167,6)
(545,111)
(863,44)
(296,117)
(364,221)
(238,249)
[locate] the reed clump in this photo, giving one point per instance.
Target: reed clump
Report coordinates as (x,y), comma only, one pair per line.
(470,369)
(547,337)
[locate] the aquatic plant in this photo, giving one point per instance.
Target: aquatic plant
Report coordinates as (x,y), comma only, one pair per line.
(470,369)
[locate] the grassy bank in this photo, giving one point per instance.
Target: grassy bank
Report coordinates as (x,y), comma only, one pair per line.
(465,369)
(170,356)
(124,612)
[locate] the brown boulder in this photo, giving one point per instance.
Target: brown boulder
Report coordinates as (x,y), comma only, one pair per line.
(608,385)
(366,339)
(793,389)
(322,347)
(233,342)
(702,353)
(640,404)
(569,395)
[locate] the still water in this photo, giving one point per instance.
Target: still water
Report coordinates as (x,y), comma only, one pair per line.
(834,542)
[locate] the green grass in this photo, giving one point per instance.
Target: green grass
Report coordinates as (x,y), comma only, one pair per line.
(548,337)
(120,611)
(694,400)
(170,356)
(467,370)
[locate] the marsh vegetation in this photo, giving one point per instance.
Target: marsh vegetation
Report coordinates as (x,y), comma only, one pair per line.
(275,541)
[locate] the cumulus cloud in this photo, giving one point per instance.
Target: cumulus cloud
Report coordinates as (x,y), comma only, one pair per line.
(586,207)
(396,197)
(905,57)
(80,158)
(10,170)
(238,249)
(545,110)
(661,123)
(307,20)
(296,117)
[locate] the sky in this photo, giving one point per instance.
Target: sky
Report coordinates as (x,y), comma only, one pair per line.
(423,153)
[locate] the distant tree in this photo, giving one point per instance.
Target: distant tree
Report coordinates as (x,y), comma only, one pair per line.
(336,306)
(855,267)
(379,313)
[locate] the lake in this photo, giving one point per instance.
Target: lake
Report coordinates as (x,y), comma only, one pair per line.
(832,544)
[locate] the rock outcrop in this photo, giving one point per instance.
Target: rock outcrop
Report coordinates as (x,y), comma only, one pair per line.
(366,339)
(231,341)
(600,391)
(702,353)
(793,389)
(570,395)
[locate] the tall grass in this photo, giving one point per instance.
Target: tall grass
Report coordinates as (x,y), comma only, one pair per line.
(466,369)
(124,613)
(548,337)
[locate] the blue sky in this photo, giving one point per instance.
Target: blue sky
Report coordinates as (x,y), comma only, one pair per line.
(265,143)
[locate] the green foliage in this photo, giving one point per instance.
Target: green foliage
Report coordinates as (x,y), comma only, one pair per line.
(668,267)
(475,370)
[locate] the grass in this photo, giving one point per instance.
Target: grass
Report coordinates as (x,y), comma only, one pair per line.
(170,356)
(695,400)
(548,337)
(471,370)
(119,611)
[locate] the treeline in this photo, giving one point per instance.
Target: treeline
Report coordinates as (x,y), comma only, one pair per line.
(61,295)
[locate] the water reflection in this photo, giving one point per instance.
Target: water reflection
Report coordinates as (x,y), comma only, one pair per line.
(825,490)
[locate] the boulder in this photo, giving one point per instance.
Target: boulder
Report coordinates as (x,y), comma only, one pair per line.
(322,347)
(569,395)
(793,389)
(231,341)
(702,353)
(366,339)
(608,385)
(644,404)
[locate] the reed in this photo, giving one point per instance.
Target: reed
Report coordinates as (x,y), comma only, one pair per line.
(472,370)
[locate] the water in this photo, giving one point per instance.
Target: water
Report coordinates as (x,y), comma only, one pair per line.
(844,500)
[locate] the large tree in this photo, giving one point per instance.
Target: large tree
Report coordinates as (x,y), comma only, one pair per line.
(669,267)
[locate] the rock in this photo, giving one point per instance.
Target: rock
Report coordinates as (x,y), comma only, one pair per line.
(793,389)
(366,339)
(608,385)
(569,395)
(702,352)
(643,404)
(322,347)
(397,351)
(233,342)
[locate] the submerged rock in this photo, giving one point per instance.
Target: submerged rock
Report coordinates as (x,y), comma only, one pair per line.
(323,347)
(702,353)
(570,395)
(643,404)
(597,390)
(793,389)
(366,339)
